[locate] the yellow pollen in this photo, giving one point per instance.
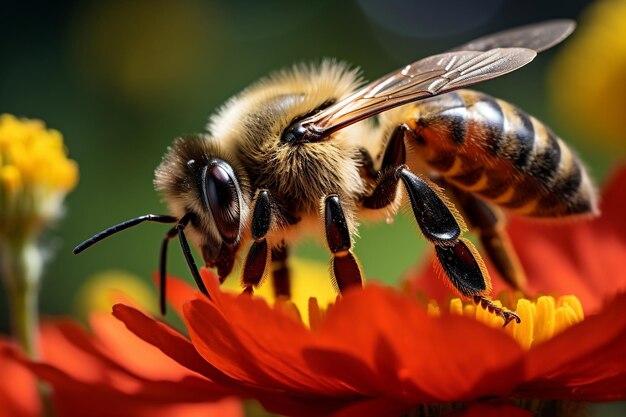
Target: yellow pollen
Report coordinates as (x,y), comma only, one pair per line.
(541,319)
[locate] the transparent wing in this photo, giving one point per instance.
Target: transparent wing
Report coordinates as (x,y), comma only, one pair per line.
(425,78)
(538,37)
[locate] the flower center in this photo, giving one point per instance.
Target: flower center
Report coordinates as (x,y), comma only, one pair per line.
(541,319)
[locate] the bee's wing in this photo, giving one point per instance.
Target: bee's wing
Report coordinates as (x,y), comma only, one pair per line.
(425,78)
(537,36)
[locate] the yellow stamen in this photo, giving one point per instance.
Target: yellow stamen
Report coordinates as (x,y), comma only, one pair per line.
(488,318)
(315,313)
(456,306)
(540,320)
(469,310)
(565,317)
(433,309)
(288,307)
(523,332)
(574,304)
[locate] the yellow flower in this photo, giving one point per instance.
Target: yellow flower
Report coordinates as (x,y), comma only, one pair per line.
(108,287)
(35,176)
(587,76)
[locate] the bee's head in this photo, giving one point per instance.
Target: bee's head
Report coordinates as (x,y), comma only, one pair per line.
(198,178)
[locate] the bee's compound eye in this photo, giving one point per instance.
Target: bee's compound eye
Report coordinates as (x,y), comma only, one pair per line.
(222,197)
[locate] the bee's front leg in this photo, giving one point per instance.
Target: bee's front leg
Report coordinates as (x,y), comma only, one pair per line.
(256,260)
(345,267)
(255,266)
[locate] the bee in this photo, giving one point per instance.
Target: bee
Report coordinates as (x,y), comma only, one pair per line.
(298,153)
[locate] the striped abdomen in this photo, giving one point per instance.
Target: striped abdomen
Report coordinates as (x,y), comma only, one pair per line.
(496,151)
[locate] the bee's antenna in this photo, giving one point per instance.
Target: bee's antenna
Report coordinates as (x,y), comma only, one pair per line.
(178,230)
(157,218)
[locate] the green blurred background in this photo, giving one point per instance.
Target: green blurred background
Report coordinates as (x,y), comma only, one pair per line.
(122,79)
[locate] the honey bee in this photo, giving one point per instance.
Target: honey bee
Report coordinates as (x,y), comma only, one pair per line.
(297,153)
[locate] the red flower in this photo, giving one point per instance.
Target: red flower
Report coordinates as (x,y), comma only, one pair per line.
(109,372)
(378,351)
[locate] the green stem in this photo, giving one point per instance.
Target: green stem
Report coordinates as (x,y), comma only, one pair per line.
(21,264)
(21,270)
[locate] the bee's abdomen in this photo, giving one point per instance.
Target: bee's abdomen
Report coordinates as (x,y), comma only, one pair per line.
(493,149)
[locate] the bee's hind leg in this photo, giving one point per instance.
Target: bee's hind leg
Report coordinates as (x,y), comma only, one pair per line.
(439,223)
(494,239)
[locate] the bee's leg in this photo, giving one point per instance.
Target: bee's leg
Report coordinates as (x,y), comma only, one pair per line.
(366,164)
(345,267)
(281,276)
(163,268)
(463,266)
(493,237)
(256,260)
(222,260)
(489,305)
(440,224)
(458,257)
(435,219)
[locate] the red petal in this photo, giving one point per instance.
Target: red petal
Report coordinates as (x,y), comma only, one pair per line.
(179,291)
(132,353)
(251,342)
(170,342)
(73,397)
(63,339)
(613,203)
(18,390)
(98,403)
(398,351)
